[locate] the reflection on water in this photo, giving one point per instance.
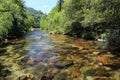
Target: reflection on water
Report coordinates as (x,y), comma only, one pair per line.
(40,56)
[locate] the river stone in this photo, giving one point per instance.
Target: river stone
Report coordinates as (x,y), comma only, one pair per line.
(40,66)
(96,53)
(16,56)
(117,75)
(91,50)
(62,75)
(103,78)
(49,74)
(2,50)
(63,64)
(38,59)
(107,68)
(84,51)
(80,48)
(23,78)
(31,62)
(108,60)
(26,77)
(22,58)
(76,72)
(16,67)
(84,48)
(2,58)
(89,78)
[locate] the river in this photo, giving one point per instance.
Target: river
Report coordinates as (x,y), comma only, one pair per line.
(41,56)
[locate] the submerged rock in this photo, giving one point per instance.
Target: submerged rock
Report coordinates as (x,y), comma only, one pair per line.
(84,51)
(23,78)
(49,74)
(108,60)
(76,72)
(2,50)
(89,78)
(63,75)
(117,75)
(63,64)
(40,67)
(26,77)
(103,78)
(16,56)
(38,59)
(96,53)
(31,62)
(4,72)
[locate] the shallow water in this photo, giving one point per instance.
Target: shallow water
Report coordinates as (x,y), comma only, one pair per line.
(40,56)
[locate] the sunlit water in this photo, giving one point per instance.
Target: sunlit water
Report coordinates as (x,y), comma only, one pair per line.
(41,56)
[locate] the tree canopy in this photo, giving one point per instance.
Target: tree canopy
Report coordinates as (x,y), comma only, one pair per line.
(36,14)
(83,18)
(15,18)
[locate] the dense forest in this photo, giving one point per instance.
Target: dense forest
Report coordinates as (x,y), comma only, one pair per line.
(88,19)
(16,19)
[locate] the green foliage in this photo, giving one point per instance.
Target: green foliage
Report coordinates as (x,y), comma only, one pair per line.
(14,19)
(54,22)
(83,18)
(43,23)
(36,15)
(29,22)
(103,36)
(5,23)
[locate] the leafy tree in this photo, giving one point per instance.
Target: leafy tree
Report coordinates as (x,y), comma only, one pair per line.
(5,23)
(29,22)
(86,18)
(36,15)
(13,18)
(44,23)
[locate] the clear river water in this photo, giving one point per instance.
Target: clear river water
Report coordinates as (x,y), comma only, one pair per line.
(42,56)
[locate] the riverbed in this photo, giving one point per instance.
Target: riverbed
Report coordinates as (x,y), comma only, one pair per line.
(42,56)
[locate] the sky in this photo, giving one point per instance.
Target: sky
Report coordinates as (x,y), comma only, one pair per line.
(44,5)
